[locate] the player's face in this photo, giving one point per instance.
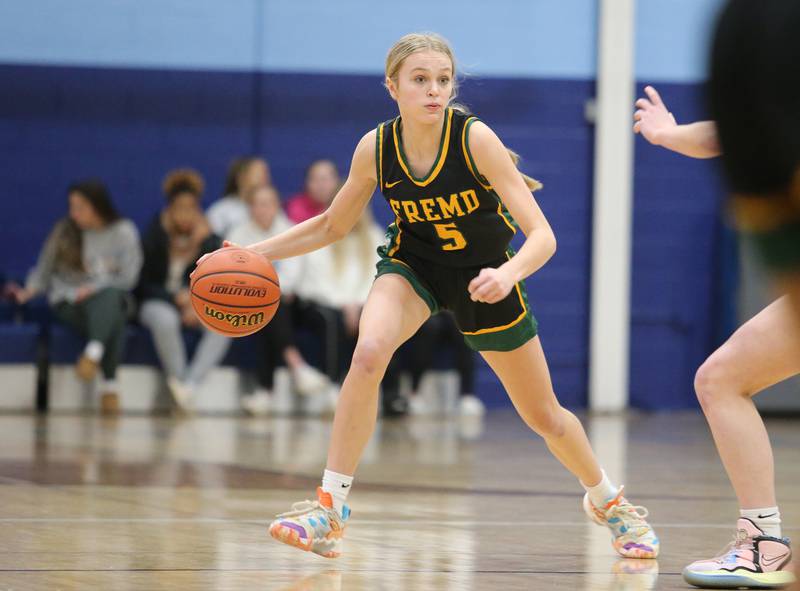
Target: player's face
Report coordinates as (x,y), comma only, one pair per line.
(264,207)
(184,211)
(424,85)
(322,182)
(82,213)
(255,175)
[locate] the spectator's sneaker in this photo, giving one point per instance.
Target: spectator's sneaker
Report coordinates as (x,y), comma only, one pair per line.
(632,536)
(309,380)
(420,406)
(257,404)
(751,561)
(109,404)
(181,394)
(86,368)
(471,406)
(313,526)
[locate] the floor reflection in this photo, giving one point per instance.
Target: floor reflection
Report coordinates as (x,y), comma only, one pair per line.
(458,505)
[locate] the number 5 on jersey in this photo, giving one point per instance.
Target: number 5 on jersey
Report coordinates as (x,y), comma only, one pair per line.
(453,239)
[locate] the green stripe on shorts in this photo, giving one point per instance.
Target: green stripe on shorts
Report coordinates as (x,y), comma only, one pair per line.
(388,265)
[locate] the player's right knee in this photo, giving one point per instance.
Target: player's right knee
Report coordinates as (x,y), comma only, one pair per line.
(371,355)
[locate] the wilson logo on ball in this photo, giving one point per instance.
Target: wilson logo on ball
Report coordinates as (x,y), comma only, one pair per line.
(238,290)
(235,320)
(235,292)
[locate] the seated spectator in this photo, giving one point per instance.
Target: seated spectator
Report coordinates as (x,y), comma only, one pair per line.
(174,241)
(276,340)
(244,174)
(321,184)
(87,266)
(333,287)
(438,332)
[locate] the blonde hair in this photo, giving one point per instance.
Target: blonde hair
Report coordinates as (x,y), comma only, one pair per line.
(412,43)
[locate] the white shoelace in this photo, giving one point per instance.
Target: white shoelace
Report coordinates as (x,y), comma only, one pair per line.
(632,516)
(741,541)
(301,508)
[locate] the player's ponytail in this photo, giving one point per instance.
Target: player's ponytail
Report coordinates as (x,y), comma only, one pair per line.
(532,183)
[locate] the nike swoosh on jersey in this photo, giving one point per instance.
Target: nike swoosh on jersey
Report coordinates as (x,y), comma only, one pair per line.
(390,185)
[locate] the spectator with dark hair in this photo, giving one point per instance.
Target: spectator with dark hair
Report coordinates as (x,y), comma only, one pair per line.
(244,174)
(87,266)
(276,340)
(321,183)
(176,238)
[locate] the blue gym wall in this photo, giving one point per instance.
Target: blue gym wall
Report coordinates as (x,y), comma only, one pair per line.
(127,90)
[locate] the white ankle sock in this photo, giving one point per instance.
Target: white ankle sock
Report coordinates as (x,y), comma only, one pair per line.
(94,350)
(601,493)
(767,519)
(338,485)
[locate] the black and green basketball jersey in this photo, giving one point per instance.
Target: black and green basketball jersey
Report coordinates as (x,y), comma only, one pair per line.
(451,216)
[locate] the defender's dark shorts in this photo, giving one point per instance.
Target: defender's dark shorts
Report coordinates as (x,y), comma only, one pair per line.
(503,326)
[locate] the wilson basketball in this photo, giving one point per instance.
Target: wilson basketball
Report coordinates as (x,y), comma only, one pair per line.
(235,292)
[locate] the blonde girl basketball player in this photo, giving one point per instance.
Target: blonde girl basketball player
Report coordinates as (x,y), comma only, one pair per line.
(454,189)
(763,352)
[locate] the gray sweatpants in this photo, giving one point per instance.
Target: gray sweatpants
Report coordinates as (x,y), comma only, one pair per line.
(164,322)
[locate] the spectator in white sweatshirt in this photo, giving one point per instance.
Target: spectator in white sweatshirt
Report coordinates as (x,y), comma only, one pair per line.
(244,174)
(333,287)
(276,340)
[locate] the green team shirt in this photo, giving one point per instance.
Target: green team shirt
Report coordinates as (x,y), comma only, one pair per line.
(451,216)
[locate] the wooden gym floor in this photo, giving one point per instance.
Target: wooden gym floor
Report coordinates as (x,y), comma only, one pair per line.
(160,504)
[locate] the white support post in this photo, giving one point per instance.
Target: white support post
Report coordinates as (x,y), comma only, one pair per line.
(613,205)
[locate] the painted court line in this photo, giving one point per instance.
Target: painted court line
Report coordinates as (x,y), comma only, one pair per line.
(398,522)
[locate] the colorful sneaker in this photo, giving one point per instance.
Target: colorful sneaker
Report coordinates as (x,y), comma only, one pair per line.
(751,561)
(632,536)
(313,526)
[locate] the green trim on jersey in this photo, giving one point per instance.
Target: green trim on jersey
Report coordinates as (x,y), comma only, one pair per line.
(473,168)
(441,155)
(379,155)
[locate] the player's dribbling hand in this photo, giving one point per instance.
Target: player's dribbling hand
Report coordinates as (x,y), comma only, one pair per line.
(490,286)
(652,118)
(225,244)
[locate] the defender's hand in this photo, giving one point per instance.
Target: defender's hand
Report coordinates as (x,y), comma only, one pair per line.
(652,117)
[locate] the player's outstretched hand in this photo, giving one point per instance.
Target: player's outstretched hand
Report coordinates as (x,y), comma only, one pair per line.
(490,286)
(652,118)
(225,244)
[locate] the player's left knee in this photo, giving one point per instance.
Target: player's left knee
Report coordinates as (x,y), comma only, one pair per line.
(548,422)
